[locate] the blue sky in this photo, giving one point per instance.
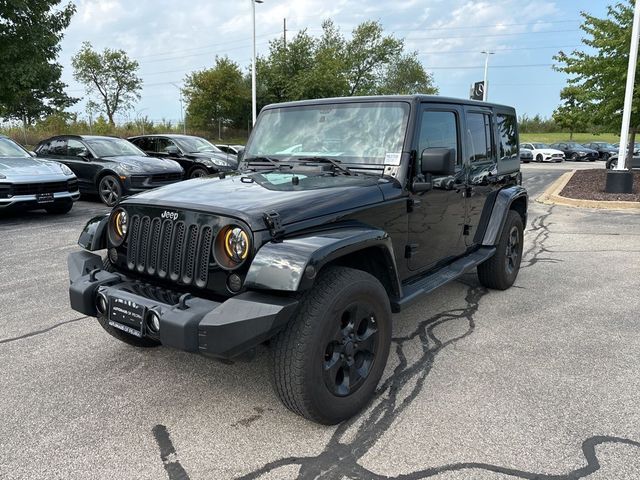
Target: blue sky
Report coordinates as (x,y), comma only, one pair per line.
(171,38)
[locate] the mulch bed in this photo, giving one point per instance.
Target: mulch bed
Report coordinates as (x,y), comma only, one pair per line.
(589,185)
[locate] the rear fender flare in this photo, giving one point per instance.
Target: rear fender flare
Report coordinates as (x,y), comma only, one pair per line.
(504,201)
(293,264)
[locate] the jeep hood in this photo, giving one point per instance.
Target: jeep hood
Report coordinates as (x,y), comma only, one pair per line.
(249,196)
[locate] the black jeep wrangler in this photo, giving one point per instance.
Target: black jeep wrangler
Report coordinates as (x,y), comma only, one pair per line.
(343,211)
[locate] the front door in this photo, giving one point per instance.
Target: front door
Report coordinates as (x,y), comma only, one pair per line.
(436,222)
(81,161)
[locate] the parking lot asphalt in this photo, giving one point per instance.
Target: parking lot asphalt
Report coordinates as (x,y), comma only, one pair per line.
(540,381)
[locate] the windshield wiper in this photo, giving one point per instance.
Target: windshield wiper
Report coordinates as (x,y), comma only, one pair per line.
(336,163)
(273,161)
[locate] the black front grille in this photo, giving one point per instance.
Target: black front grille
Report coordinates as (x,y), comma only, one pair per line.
(45,187)
(166,177)
(175,251)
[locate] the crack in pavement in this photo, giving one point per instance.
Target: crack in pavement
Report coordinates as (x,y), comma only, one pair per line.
(339,460)
(168,454)
(39,332)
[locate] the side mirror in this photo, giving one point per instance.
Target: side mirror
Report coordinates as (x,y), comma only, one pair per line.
(172,150)
(438,161)
(32,153)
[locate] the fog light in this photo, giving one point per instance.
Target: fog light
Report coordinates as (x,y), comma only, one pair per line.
(153,322)
(101,304)
(234,282)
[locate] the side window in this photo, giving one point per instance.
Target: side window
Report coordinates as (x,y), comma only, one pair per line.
(439,129)
(58,147)
(75,148)
(43,149)
(479,137)
(146,144)
(162,144)
(508,132)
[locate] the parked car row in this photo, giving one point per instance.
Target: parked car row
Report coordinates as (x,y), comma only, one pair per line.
(110,167)
(558,152)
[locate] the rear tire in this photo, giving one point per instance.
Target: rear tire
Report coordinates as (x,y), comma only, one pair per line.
(330,357)
(59,208)
(501,270)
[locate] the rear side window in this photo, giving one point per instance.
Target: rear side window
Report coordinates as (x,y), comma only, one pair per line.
(479,137)
(163,143)
(439,129)
(508,134)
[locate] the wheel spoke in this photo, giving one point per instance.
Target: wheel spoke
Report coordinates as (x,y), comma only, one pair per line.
(343,380)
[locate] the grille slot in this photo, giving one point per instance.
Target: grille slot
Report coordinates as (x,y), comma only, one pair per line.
(170,250)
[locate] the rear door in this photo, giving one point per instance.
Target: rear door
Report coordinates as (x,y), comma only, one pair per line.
(482,162)
(436,221)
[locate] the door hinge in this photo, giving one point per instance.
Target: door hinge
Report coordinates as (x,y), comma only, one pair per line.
(466,230)
(410,250)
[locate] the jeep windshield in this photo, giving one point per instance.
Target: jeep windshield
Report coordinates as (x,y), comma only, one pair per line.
(368,133)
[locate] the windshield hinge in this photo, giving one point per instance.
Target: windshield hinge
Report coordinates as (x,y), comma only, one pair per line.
(274,224)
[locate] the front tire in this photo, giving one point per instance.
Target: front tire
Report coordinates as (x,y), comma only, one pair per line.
(539,158)
(501,270)
(575,157)
(330,357)
(198,172)
(110,190)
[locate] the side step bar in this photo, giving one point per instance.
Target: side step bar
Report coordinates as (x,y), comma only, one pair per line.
(414,289)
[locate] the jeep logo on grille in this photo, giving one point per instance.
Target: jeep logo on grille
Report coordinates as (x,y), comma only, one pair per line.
(169,215)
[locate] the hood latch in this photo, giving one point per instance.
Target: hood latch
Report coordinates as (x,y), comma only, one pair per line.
(274,224)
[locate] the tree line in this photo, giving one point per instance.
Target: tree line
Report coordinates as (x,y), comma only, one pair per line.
(369,62)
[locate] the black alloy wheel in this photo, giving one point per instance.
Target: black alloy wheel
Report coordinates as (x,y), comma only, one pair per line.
(539,158)
(501,270)
(198,172)
(110,190)
(575,157)
(513,250)
(351,350)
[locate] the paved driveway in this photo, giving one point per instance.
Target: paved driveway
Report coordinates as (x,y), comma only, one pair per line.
(540,381)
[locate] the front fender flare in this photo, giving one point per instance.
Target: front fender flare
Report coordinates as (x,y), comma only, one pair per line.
(94,234)
(292,264)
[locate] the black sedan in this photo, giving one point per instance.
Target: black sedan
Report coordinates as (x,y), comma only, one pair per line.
(32,183)
(109,166)
(196,155)
(576,152)
(604,149)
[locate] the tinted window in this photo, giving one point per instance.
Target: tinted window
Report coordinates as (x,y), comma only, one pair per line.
(58,147)
(479,137)
(163,143)
(146,144)
(75,148)
(508,132)
(439,130)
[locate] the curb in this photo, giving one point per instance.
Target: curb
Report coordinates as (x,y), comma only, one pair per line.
(551,196)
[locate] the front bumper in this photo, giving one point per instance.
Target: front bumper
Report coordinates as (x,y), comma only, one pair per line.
(193,324)
(30,201)
(141,183)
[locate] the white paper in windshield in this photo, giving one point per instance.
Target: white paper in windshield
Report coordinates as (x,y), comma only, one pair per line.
(392,158)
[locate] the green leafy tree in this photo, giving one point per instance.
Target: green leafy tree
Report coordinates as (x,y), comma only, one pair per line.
(110,79)
(30,35)
(405,75)
(219,94)
(598,76)
(571,115)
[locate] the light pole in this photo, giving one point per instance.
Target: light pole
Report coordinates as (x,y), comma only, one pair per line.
(184,125)
(253,62)
(485,93)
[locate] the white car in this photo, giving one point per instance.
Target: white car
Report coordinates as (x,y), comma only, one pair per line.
(542,152)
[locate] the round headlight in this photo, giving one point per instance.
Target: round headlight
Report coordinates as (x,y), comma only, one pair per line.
(118,226)
(231,247)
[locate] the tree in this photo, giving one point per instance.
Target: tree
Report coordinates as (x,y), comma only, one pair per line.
(571,115)
(30,35)
(109,77)
(331,66)
(598,79)
(219,94)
